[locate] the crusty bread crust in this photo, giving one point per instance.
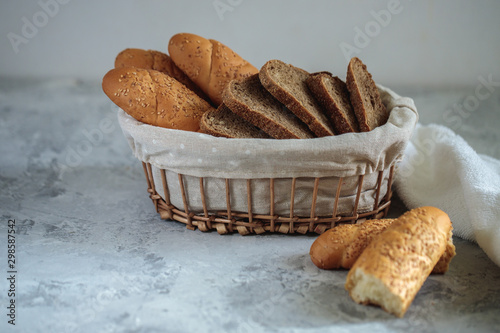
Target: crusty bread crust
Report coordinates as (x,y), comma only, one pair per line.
(155,98)
(328,249)
(222,122)
(251,101)
(158,61)
(299,100)
(331,92)
(341,246)
(208,63)
(365,97)
(393,267)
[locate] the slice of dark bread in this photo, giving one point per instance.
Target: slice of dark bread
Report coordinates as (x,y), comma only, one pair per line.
(288,85)
(365,97)
(248,99)
(222,122)
(331,92)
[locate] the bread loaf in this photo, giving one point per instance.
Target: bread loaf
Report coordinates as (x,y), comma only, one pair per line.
(288,85)
(341,246)
(222,122)
(156,60)
(331,92)
(251,101)
(155,98)
(365,97)
(394,266)
(208,63)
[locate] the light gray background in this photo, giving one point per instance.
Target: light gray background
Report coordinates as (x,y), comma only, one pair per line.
(426,43)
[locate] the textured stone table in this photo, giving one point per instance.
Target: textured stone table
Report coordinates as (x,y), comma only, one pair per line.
(92,255)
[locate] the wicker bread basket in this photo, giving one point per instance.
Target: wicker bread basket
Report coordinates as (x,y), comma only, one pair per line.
(267,185)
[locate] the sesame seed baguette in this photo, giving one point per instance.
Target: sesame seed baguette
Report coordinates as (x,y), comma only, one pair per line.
(208,63)
(155,98)
(365,97)
(287,84)
(394,266)
(331,92)
(156,60)
(341,246)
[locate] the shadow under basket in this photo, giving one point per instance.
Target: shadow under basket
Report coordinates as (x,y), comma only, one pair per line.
(228,220)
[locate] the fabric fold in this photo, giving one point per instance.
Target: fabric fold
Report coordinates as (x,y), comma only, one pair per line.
(345,155)
(441,169)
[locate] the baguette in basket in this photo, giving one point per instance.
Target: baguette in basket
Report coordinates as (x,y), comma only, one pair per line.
(171,91)
(155,98)
(158,61)
(208,63)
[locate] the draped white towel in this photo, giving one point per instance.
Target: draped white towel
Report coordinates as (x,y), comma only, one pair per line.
(441,169)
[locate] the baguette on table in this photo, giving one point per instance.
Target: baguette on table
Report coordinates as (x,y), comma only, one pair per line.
(155,98)
(341,246)
(208,63)
(394,266)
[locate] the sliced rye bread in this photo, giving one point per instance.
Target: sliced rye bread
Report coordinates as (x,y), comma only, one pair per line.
(365,97)
(248,99)
(288,85)
(222,122)
(331,92)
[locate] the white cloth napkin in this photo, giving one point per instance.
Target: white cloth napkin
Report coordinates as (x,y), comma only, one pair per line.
(440,169)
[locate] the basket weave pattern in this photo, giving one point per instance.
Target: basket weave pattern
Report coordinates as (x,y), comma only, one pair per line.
(228,220)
